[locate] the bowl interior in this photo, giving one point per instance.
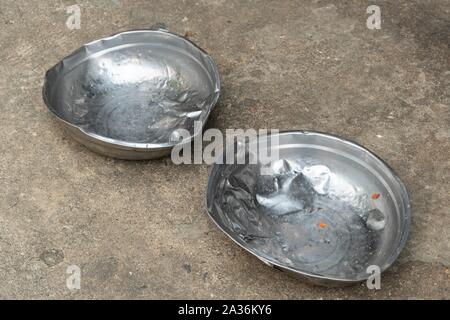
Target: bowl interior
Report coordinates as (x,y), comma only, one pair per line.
(327,207)
(138,87)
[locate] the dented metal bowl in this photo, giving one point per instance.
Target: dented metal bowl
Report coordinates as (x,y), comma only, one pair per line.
(129,95)
(328,210)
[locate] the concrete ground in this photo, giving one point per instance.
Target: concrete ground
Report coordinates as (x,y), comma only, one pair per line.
(140,229)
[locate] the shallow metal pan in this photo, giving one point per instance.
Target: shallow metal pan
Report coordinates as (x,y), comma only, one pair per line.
(326,210)
(128,95)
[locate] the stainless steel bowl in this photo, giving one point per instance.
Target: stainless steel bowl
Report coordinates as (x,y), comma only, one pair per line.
(326,210)
(129,95)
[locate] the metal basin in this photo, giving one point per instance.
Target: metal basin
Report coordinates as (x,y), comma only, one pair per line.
(326,210)
(129,95)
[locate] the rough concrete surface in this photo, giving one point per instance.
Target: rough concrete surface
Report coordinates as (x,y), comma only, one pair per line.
(140,229)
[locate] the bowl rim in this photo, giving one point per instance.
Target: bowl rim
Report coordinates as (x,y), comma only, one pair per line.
(404,194)
(135,146)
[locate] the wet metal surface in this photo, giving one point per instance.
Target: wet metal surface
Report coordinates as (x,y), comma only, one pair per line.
(133,90)
(327,208)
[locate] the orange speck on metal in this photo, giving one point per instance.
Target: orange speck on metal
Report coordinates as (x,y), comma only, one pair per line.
(322,225)
(375,196)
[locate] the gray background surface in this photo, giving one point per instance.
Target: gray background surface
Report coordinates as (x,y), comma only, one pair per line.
(139,229)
